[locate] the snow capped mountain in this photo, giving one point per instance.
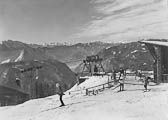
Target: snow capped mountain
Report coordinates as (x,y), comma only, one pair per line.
(5,61)
(132,55)
(20,57)
(14,51)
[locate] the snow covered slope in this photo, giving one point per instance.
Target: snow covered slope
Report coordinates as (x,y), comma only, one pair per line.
(131,104)
(20,57)
(90,82)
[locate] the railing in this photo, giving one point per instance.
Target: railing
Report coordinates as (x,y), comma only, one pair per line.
(95,89)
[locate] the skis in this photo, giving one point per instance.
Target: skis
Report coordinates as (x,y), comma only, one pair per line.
(62,105)
(146,90)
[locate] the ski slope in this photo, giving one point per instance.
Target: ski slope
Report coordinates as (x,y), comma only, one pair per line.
(131,104)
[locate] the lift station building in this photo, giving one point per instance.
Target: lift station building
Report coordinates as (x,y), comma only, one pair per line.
(159,51)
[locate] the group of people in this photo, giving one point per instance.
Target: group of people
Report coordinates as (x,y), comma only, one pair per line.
(121,81)
(122,76)
(145,79)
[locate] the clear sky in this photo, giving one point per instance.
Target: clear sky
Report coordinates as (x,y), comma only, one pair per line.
(41,21)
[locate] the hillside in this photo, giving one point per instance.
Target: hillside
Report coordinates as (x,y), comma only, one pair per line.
(73,55)
(130,55)
(14,51)
(24,80)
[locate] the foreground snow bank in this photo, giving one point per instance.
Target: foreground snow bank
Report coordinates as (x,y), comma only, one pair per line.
(131,104)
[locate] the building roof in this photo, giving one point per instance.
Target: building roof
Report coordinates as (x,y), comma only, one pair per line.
(155,42)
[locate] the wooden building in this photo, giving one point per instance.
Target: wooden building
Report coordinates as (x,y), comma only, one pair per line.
(159,51)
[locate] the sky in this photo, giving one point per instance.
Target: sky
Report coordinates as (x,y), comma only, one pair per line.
(45,21)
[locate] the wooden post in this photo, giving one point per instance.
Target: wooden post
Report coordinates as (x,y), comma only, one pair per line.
(86,91)
(153,52)
(159,65)
(108,81)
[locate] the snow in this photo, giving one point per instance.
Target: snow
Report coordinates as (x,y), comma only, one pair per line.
(94,80)
(90,82)
(20,57)
(5,61)
(131,104)
(134,51)
(143,48)
(144,63)
(142,44)
(107,47)
(114,52)
(127,55)
(133,57)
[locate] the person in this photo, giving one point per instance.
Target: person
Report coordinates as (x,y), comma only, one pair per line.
(136,74)
(114,77)
(122,71)
(59,91)
(121,82)
(95,70)
(146,82)
(140,74)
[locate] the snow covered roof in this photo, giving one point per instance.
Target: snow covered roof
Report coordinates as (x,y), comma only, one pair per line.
(154,42)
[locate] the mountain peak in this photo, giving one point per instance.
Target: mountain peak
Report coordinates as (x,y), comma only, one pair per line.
(10,44)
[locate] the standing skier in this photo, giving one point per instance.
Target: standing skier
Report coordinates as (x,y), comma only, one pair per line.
(59,91)
(121,82)
(146,82)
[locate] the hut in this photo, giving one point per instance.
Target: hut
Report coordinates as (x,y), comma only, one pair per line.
(25,80)
(159,51)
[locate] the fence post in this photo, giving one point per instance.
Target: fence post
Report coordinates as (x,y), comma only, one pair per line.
(93,92)
(86,91)
(108,80)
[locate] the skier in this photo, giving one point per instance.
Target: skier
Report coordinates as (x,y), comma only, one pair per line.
(121,82)
(60,93)
(114,76)
(122,71)
(140,74)
(136,74)
(95,70)
(146,82)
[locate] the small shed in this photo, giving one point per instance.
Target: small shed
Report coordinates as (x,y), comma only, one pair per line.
(159,51)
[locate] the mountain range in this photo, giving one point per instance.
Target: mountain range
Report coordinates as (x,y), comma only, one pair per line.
(14,51)
(133,56)
(130,55)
